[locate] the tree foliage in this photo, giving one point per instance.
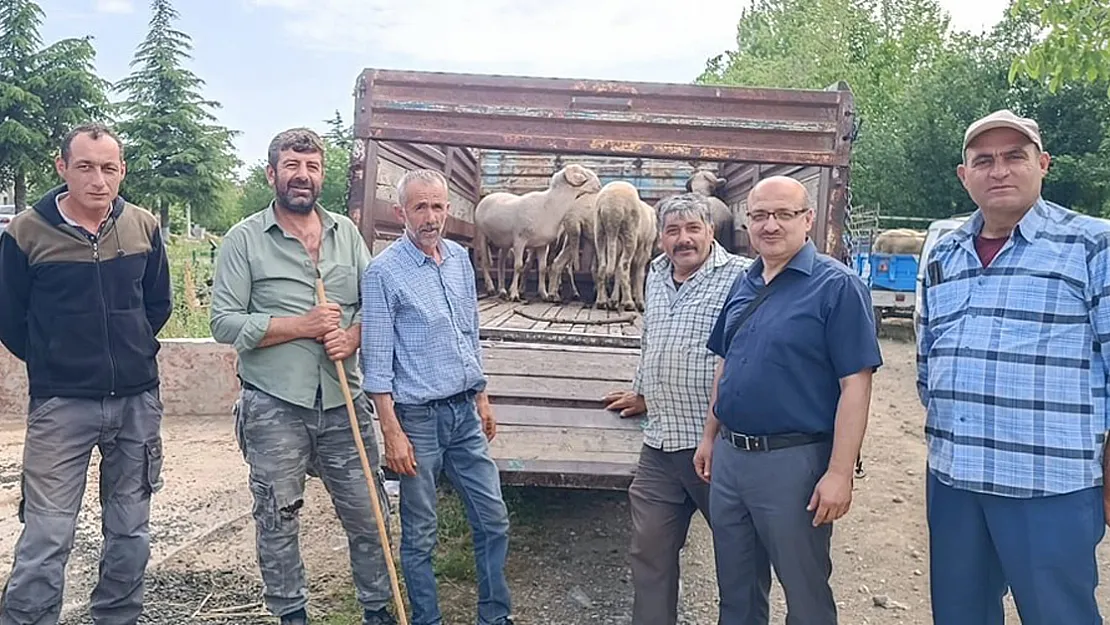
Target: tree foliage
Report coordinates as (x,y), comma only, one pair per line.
(43,93)
(917,86)
(1076,46)
(177,154)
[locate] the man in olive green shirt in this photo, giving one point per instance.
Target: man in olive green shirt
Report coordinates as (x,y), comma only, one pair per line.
(291,417)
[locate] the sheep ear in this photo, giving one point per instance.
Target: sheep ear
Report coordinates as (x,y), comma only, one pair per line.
(689,187)
(575,176)
(722,182)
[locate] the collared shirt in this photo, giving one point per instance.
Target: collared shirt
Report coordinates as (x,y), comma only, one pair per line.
(263,272)
(1012,358)
(420,324)
(675,372)
(783,368)
(73,222)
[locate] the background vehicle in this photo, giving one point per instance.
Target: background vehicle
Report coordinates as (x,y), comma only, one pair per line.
(936,230)
(7,211)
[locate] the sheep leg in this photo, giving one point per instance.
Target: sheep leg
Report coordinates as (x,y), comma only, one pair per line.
(628,250)
(541,269)
(575,263)
(562,262)
(606,254)
(484,261)
(518,269)
(501,273)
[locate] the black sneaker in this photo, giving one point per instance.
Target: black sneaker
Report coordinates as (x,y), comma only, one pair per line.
(379,617)
(300,617)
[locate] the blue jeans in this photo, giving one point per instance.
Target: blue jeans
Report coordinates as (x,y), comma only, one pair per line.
(1043,548)
(449,437)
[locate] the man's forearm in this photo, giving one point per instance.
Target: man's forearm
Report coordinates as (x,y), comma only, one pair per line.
(283,330)
(851,423)
(481,399)
(387,418)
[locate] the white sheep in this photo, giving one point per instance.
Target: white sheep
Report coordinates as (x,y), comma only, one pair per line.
(625,239)
(532,221)
(577,235)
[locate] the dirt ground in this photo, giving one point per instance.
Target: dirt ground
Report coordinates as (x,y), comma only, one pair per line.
(568,560)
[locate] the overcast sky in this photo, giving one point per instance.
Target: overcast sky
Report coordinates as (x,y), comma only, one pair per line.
(274,64)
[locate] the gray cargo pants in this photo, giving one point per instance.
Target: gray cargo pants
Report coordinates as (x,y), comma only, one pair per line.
(283,443)
(61,434)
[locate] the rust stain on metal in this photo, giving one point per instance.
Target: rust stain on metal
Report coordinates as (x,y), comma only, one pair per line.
(686,121)
(605,87)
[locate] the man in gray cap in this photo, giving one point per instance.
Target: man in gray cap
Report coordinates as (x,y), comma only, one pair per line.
(1013,357)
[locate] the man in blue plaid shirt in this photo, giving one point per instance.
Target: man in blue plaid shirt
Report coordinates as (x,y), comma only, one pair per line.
(1013,347)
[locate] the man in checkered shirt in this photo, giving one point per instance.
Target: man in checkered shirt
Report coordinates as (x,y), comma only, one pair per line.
(1013,348)
(686,288)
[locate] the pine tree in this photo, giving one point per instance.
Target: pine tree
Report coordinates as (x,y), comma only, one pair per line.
(339,134)
(177,154)
(43,93)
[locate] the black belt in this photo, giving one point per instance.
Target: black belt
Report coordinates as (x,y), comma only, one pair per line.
(745,442)
(457,398)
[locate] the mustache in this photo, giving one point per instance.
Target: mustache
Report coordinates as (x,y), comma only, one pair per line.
(685,248)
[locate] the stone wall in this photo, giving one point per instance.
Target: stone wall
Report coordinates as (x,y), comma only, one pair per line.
(198,379)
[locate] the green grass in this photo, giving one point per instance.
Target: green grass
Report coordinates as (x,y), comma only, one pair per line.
(185,321)
(453,560)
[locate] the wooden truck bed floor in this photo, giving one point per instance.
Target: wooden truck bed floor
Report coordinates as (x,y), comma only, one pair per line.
(553,429)
(573,323)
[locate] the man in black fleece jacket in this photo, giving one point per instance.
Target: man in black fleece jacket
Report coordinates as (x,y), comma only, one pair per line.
(84,290)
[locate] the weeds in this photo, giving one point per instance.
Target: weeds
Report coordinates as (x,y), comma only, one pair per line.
(191,266)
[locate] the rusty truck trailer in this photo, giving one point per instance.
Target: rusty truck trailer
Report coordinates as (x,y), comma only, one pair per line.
(548,364)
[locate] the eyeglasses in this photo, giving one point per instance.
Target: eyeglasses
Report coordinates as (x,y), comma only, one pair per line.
(780,216)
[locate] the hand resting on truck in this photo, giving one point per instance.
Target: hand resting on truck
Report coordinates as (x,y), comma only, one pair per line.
(629,403)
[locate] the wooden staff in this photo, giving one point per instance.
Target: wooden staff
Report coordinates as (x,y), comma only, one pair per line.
(355,430)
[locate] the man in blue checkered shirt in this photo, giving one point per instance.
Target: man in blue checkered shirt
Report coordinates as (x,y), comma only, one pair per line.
(1013,348)
(422,365)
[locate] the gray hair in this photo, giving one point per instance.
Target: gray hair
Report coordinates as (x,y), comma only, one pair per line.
(426,176)
(299,140)
(685,205)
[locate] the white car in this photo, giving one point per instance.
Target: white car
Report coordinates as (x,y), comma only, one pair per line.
(936,230)
(7,211)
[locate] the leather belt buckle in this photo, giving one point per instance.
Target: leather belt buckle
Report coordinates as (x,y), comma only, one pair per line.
(748,443)
(755,443)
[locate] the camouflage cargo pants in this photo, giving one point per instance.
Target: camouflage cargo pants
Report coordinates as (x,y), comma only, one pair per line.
(283,443)
(61,434)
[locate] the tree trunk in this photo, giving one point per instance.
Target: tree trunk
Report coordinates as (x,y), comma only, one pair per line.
(164,214)
(20,190)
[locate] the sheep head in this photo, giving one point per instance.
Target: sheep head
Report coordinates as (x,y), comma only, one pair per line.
(704,182)
(578,177)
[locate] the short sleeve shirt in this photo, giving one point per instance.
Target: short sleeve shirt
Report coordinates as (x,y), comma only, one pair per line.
(783,368)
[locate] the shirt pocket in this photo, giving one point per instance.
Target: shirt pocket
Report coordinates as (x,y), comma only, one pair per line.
(946,301)
(463,306)
(342,284)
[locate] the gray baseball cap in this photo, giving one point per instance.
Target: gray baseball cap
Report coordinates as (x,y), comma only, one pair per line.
(1004,118)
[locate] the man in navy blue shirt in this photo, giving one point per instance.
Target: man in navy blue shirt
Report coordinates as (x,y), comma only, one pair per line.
(788,414)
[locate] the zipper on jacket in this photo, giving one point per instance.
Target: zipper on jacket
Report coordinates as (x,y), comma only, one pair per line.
(104,309)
